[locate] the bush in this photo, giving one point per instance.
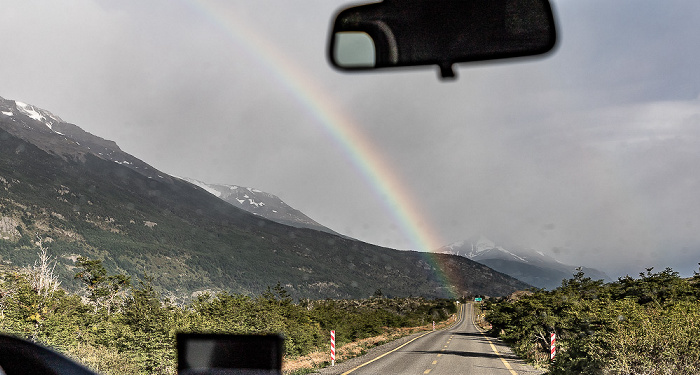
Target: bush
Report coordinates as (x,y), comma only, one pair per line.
(648,325)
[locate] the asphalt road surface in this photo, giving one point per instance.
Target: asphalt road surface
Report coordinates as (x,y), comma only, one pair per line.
(460,349)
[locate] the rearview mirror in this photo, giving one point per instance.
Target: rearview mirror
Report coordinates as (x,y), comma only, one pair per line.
(222,354)
(400,33)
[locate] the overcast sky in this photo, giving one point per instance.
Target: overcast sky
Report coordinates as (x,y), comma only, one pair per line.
(591,155)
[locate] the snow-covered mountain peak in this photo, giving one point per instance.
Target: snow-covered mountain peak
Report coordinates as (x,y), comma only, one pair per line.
(260,203)
(38,114)
(483,244)
(484,247)
(455,245)
(481,247)
(527,264)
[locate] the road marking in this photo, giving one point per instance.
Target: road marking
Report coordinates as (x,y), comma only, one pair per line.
(387,353)
(505,363)
(435,362)
(427,371)
(455,324)
(439,355)
(493,347)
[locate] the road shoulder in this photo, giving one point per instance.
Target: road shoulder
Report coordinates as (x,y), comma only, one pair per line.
(371,354)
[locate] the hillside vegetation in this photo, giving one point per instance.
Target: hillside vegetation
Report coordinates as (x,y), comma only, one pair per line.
(125,327)
(647,325)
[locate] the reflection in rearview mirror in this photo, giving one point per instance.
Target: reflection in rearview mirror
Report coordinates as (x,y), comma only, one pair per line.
(354,49)
(403,33)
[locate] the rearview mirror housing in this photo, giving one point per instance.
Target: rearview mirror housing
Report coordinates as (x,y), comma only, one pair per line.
(402,33)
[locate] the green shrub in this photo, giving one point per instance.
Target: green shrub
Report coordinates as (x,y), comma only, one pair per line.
(648,325)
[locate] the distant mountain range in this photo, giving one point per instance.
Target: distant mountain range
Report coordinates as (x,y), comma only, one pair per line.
(83,196)
(528,265)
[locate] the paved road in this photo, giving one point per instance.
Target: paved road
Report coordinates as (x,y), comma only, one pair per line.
(461,349)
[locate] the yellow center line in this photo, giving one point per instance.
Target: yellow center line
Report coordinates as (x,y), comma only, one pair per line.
(427,371)
(439,355)
(455,324)
(387,353)
(493,347)
(505,363)
(435,362)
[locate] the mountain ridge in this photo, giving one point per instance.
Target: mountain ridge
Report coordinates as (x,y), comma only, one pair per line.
(260,203)
(68,141)
(82,201)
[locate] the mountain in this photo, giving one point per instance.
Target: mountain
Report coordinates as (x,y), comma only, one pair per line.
(83,196)
(51,134)
(260,203)
(528,265)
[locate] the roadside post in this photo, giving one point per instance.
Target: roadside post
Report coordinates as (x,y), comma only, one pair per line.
(433,325)
(553,346)
(332,348)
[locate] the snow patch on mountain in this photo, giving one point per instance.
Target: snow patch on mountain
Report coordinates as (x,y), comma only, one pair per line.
(38,114)
(202,185)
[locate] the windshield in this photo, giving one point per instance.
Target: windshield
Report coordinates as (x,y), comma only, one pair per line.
(587,157)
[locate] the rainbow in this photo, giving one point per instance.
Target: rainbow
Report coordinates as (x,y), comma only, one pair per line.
(338,125)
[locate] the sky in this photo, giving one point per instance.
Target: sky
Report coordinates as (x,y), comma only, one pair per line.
(590,155)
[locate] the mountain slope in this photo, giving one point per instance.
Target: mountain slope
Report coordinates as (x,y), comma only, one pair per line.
(530,266)
(103,203)
(67,141)
(260,203)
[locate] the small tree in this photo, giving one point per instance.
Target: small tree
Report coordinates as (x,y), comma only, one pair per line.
(102,289)
(42,276)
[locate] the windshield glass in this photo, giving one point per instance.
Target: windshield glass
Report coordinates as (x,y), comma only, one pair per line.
(586,157)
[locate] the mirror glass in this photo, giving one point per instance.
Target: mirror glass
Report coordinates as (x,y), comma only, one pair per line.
(200,354)
(354,49)
(403,33)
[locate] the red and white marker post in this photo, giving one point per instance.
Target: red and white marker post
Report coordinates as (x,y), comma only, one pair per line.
(553,346)
(332,348)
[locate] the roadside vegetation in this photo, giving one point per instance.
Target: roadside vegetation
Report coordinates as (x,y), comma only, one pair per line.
(644,325)
(121,326)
